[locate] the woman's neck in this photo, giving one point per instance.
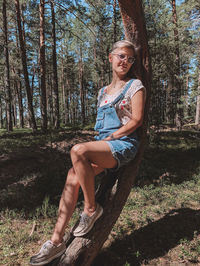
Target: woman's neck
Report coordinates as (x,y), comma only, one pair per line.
(116,84)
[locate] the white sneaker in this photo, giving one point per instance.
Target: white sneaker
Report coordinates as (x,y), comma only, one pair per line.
(86,222)
(47,253)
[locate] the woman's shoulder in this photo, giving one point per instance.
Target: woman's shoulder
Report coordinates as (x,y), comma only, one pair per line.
(137,83)
(135,86)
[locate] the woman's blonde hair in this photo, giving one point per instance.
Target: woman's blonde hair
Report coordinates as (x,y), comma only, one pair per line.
(123,43)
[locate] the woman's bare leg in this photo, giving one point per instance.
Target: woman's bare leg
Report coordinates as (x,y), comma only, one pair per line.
(88,159)
(67,203)
(66,207)
(82,155)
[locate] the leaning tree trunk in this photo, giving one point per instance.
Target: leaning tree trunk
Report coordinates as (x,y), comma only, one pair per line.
(114,190)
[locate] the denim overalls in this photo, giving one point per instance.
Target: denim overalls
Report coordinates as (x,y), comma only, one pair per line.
(107,122)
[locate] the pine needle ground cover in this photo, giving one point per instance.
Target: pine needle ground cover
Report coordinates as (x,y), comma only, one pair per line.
(159,225)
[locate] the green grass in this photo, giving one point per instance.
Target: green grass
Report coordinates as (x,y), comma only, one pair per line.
(159,225)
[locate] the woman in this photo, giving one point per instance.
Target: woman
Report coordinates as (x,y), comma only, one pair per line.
(120,113)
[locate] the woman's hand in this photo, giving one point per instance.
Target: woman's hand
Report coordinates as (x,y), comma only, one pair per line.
(110,137)
(137,104)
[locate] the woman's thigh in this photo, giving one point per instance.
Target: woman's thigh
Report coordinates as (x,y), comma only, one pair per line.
(98,153)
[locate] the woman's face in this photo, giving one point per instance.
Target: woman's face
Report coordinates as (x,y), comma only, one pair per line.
(122,60)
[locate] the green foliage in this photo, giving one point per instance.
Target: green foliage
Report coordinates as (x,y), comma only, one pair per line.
(85,31)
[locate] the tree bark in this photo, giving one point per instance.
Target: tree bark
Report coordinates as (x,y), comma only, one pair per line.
(197,117)
(65,113)
(178,109)
(114,21)
(25,69)
(1,113)
(114,190)
(55,76)
(7,72)
(43,67)
(82,92)
(18,86)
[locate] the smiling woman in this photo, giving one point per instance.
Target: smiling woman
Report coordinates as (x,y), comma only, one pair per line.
(120,113)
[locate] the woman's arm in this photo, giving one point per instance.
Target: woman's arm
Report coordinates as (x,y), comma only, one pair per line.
(137,104)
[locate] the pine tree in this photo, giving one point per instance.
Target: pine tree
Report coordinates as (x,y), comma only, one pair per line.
(43,66)
(25,70)
(7,72)
(55,75)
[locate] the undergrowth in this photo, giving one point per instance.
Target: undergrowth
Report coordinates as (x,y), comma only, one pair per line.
(159,225)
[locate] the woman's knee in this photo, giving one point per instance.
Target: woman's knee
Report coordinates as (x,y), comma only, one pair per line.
(79,151)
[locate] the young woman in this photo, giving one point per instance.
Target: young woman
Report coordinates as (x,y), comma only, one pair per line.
(119,114)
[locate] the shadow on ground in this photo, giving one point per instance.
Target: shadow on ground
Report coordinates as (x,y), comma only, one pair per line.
(174,157)
(159,236)
(29,174)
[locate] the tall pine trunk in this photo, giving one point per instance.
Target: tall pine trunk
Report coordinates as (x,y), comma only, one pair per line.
(1,113)
(43,67)
(197,117)
(82,92)
(18,87)
(25,69)
(114,189)
(9,124)
(114,21)
(55,76)
(178,109)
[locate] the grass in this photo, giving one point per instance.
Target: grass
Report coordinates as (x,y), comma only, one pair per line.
(159,225)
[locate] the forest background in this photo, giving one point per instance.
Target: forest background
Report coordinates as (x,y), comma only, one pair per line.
(65,47)
(53,61)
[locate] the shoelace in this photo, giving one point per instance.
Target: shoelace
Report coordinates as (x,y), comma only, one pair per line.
(47,245)
(84,219)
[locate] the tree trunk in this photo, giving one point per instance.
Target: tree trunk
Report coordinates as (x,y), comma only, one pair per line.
(1,113)
(14,109)
(64,99)
(178,109)
(7,72)
(25,70)
(114,22)
(82,92)
(18,87)
(197,117)
(50,108)
(20,103)
(114,190)
(55,76)
(43,68)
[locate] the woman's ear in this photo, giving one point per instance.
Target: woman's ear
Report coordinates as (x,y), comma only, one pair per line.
(110,58)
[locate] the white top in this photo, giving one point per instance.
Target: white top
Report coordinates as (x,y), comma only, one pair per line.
(123,108)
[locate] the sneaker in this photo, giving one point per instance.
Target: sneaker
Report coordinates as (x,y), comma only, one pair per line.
(47,253)
(86,222)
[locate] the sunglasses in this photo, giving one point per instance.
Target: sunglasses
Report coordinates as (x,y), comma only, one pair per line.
(122,57)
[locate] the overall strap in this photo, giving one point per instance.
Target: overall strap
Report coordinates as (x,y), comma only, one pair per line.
(101,95)
(122,94)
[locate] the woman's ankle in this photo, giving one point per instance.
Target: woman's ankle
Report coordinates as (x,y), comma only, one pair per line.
(89,210)
(56,241)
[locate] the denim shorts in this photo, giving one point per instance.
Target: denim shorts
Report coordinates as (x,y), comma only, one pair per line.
(123,150)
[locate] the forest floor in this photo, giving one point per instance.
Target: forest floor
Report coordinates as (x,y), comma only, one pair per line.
(159,225)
